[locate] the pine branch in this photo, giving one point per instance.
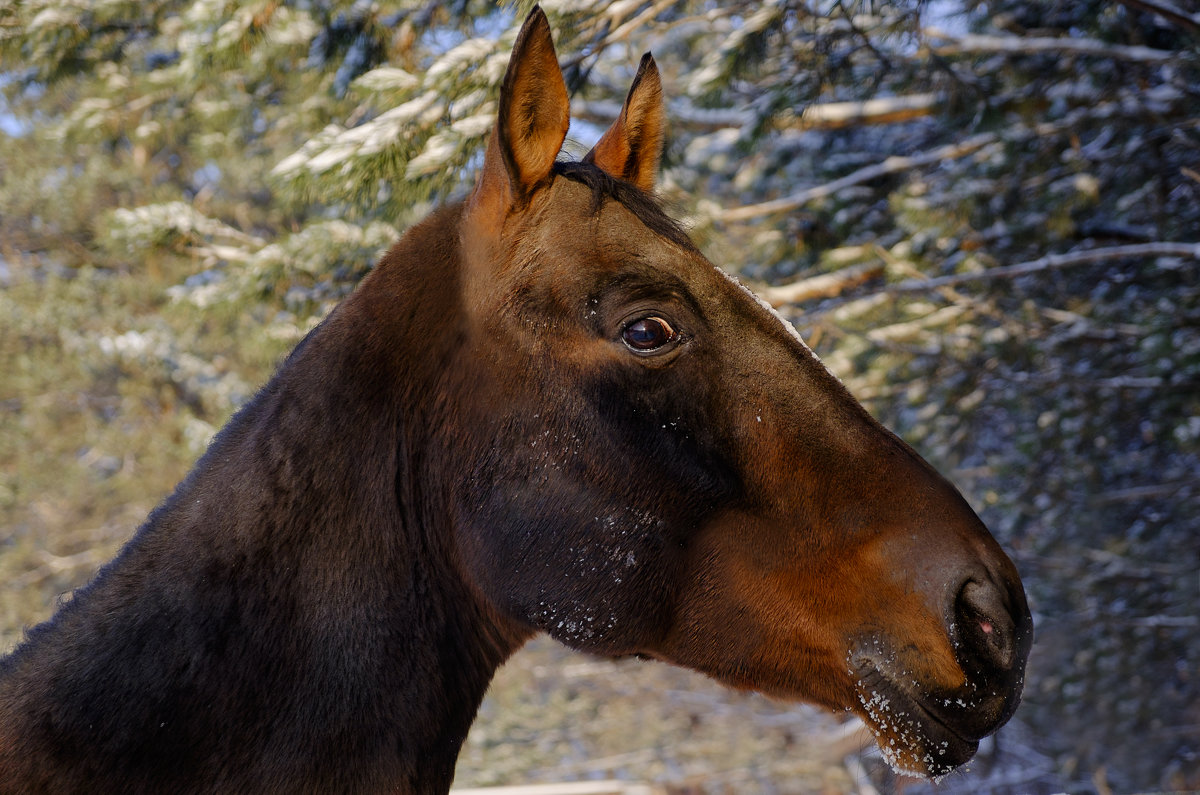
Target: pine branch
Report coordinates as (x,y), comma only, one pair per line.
(1019,45)
(824,116)
(866,174)
(898,163)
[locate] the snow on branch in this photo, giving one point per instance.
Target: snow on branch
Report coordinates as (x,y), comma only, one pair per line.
(824,116)
(881,110)
(1022,45)
(826,285)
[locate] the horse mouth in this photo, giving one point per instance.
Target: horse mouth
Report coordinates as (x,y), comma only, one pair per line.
(913,737)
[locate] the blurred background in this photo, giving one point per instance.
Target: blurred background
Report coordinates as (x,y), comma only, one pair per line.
(984,216)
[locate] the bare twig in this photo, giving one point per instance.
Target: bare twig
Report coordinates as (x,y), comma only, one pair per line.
(889,166)
(1052,262)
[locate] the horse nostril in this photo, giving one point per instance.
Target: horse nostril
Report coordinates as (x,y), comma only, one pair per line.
(985,625)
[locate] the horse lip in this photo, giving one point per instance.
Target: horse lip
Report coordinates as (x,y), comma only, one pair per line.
(929,739)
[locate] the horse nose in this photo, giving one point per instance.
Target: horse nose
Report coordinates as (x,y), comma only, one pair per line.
(991,627)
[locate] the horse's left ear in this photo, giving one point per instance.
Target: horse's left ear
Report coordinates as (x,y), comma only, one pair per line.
(632,147)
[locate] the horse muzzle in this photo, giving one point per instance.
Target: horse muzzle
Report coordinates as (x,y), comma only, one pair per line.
(929,729)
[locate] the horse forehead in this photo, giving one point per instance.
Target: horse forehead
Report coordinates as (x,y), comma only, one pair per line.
(599,230)
(603,236)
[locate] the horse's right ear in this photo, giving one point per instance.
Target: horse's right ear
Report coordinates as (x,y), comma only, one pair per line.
(632,147)
(531,125)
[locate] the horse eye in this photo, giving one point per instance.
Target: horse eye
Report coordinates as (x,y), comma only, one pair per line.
(648,334)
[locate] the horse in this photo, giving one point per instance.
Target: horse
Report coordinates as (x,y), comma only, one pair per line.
(542,411)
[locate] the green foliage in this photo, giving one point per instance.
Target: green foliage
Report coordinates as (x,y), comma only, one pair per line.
(187,186)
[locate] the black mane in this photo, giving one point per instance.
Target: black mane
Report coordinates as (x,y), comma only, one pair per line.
(643,205)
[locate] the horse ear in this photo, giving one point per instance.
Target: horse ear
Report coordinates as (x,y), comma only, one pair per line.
(532,123)
(632,147)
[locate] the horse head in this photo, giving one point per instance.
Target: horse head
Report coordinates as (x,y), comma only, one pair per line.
(662,467)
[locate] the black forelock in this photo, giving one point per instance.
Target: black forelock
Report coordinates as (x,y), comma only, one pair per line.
(644,206)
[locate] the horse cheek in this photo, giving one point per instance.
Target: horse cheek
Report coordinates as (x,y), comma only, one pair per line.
(564,558)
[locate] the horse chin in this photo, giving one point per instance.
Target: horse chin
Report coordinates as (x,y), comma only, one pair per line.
(913,740)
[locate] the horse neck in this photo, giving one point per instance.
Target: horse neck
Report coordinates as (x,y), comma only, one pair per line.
(300,578)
